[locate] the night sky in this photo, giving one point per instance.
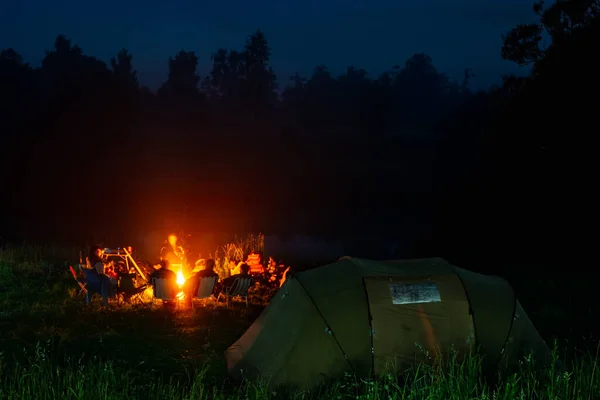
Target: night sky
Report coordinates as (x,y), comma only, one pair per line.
(372,34)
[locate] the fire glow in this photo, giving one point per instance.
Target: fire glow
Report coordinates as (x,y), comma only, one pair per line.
(180,282)
(180,279)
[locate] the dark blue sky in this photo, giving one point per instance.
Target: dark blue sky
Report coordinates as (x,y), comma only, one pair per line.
(372,34)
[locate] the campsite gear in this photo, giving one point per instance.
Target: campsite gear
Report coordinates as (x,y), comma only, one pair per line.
(96,284)
(239,287)
(165,290)
(380,317)
(128,289)
(205,289)
(126,256)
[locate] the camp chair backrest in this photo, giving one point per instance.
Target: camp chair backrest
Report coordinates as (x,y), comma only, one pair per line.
(206,287)
(240,286)
(92,276)
(165,289)
(126,283)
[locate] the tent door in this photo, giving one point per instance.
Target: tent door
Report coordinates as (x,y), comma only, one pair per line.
(417,319)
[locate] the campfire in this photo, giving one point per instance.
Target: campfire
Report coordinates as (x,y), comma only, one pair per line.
(180,278)
(174,251)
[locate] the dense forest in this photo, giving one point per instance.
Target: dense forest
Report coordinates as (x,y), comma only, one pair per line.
(88,152)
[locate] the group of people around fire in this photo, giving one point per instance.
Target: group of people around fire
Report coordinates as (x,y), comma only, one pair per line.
(172,262)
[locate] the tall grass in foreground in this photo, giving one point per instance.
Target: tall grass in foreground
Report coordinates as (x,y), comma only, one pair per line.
(40,378)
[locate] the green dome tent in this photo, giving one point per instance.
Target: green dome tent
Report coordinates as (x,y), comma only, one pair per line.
(364,317)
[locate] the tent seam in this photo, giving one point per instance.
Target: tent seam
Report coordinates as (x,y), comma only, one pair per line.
(512,322)
(326,324)
(477,341)
(369,315)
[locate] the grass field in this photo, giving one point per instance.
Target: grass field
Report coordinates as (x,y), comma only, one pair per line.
(53,347)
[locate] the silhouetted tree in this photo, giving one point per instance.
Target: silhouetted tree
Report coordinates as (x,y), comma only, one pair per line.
(243,82)
(181,86)
(124,73)
(422,92)
(317,106)
(223,85)
(529,161)
(18,123)
(259,78)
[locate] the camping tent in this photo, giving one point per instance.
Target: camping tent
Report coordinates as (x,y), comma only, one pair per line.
(364,317)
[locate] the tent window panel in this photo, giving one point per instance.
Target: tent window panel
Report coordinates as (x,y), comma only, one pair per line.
(414,293)
(417,319)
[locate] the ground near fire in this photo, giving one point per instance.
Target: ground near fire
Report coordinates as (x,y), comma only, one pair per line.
(52,345)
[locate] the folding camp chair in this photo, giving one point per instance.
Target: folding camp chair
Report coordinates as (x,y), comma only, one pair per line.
(96,285)
(239,287)
(127,289)
(164,289)
(82,283)
(205,289)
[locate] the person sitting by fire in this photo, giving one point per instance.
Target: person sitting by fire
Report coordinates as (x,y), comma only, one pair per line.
(97,260)
(101,266)
(127,281)
(227,282)
(191,285)
(120,268)
(235,267)
(199,265)
(254,260)
(111,271)
(171,252)
(162,271)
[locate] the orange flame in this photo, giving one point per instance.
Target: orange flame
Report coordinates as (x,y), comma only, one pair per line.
(180,282)
(180,278)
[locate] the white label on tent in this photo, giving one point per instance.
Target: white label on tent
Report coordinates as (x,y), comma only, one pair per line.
(415,293)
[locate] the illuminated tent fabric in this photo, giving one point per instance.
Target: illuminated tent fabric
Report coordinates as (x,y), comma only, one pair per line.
(361,316)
